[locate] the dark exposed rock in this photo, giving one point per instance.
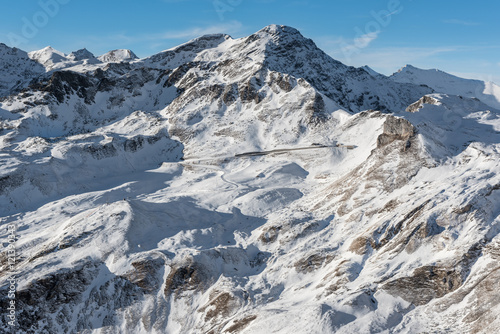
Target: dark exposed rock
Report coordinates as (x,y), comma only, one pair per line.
(145,274)
(163,74)
(316,111)
(178,73)
(414,107)
(102,151)
(313,262)
(435,281)
(396,129)
(270,234)
(239,325)
(212,92)
(360,245)
(63,83)
(426,283)
(485,298)
(281,80)
(230,94)
(133,144)
(191,276)
(248,93)
(462,210)
(220,305)
(10,181)
(318,105)
(49,295)
(389,233)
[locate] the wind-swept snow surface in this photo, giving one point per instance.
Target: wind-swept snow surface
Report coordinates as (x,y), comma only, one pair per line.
(250,185)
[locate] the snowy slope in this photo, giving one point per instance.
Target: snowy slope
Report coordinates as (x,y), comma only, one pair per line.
(17,70)
(142,203)
(371,71)
(442,82)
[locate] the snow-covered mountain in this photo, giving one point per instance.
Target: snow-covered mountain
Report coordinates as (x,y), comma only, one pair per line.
(117,56)
(82,54)
(250,185)
(17,70)
(487,92)
(48,56)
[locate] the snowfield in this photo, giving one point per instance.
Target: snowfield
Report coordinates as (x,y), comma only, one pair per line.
(373,207)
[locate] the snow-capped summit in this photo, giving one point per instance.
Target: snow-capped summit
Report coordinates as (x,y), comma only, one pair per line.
(48,56)
(82,54)
(117,56)
(275,29)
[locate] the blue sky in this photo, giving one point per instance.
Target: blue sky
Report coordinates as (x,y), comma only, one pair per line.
(456,36)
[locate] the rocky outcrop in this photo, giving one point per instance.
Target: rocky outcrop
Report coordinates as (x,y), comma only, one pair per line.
(426,284)
(145,274)
(63,84)
(396,129)
(414,107)
(186,277)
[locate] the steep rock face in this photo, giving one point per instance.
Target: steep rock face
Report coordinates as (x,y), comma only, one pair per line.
(63,84)
(396,129)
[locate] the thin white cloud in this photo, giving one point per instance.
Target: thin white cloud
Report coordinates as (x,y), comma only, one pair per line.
(461,22)
(358,43)
(366,39)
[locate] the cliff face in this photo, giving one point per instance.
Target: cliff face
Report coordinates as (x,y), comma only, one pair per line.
(246,186)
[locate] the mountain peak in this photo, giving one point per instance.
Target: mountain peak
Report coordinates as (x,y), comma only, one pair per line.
(371,71)
(81,54)
(275,29)
(48,55)
(118,55)
(5,49)
(406,68)
(50,49)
